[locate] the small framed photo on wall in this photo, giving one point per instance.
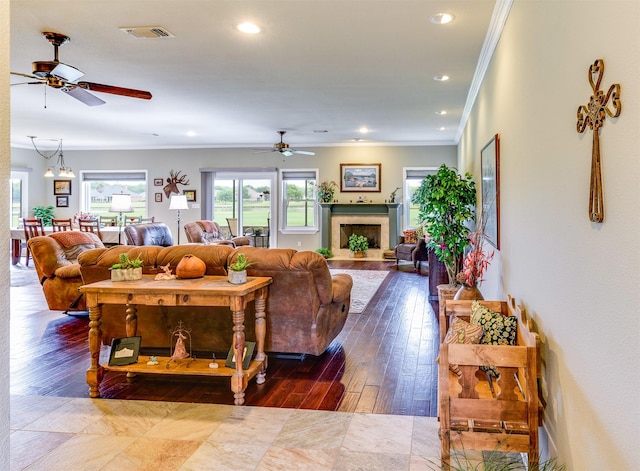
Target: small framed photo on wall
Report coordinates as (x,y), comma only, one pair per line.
(62,201)
(62,187)
(190,194)
(157,182)
(158,197)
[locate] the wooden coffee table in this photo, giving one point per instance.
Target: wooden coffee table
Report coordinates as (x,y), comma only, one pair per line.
(205,291)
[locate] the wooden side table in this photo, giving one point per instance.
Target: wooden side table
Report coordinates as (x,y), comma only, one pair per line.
(205,291)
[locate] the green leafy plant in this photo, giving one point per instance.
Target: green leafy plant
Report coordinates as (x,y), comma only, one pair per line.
(446,201)
(241,263)
(126,262)
(326,190)
(325,252)
(358,243)
(46,213)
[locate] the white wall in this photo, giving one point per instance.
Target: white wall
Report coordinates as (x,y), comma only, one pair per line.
(190,161)
(579,280)
(5,162)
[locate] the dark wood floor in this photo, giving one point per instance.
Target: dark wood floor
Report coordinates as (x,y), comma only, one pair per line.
(382,362)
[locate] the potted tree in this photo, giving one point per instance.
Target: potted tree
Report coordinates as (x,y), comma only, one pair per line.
(238,270)
(446,201)
(358,244)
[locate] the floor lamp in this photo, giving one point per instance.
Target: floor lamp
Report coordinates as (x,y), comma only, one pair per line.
(120,203)
(178,203)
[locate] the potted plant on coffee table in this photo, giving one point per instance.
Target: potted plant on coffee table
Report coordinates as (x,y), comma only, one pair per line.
(358,244)
(238,270)
(446,201)
(127,269)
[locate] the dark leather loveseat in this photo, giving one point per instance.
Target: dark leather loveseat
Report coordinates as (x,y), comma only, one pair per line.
(153,233)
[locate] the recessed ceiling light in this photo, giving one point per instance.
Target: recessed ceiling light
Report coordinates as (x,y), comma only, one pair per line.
(441,128)
(442,18)
(441,112)
(248,28)
(191,133)
(441,78)
(363,130)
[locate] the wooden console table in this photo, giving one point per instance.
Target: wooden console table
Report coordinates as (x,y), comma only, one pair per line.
(205,291)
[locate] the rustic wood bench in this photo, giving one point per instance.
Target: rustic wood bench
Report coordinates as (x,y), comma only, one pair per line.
(479,414)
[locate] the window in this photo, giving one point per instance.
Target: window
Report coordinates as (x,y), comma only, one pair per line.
(299,200)
(240,200)
(412,179)
(19,187)
(97,187)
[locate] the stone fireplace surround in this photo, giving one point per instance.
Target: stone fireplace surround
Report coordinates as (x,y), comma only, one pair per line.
(388,216)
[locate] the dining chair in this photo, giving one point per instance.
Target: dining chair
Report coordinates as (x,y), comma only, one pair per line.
(59,225)
(106,221)
(132,220)
(32,228)
(90,225)
(147,220)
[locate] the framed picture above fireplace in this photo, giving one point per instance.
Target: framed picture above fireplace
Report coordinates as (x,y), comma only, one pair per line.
(360,177)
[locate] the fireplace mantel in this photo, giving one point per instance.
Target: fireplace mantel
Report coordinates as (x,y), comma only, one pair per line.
(391,210)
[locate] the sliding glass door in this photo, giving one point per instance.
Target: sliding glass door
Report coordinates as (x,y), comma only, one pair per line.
(244,202)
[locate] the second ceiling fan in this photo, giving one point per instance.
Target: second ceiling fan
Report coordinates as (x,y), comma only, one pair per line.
(65,77)
(284,149)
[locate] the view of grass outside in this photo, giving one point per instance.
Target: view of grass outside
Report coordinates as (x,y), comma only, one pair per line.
(100,193)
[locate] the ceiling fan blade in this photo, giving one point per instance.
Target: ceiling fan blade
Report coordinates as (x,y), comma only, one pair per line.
(29,83)
(130,92)
(303,152)
(82,95)
(20,74)
(67,72)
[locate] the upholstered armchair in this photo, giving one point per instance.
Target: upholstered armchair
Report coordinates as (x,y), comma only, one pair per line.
(55,259)
(208,232)
(153,233)
(414,251)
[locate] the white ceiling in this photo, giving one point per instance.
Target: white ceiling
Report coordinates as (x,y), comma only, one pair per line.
(316,65)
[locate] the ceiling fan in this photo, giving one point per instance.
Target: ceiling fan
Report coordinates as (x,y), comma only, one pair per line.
(64,77)
(284,148)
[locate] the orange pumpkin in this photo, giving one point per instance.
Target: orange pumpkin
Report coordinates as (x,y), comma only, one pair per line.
(190,267)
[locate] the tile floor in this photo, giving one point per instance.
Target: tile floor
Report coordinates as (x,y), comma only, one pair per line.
(77,434)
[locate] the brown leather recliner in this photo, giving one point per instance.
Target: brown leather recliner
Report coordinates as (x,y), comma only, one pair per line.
(153,233)
(55,259)
(306,307)
(208,232)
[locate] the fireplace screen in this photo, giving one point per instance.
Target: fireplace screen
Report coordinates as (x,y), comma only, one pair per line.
(371,231)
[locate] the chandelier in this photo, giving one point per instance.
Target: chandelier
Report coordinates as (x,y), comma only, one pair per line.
(63,170)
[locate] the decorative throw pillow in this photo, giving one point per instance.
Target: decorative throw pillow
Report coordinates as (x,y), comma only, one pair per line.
(461,331)
(409,236)
(498,329)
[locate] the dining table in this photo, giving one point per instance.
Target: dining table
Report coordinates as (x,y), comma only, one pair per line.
(109,234)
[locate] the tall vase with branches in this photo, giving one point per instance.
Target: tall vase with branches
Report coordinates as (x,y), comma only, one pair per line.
(446,200)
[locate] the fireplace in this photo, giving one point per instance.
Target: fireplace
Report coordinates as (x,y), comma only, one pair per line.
(370,231)
(379,223)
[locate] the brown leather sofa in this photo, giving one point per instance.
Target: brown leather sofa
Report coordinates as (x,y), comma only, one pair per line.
(153,233)
(208,232)
(55,259)
(306,307)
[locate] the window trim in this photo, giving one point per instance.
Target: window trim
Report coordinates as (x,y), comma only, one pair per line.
(412,173)
(293,229)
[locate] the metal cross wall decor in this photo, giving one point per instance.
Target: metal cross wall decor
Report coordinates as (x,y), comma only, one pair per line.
(593,115)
